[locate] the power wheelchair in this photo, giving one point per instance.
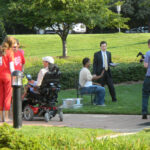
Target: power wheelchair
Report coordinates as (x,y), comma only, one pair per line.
(43,101)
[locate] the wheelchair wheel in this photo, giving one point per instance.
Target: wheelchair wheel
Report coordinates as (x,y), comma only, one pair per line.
(60,115)
(47,117)
(28,113)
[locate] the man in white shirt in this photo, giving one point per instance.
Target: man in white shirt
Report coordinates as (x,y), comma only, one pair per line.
(85,81)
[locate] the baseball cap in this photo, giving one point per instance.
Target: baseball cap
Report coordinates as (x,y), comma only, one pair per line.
(48,59)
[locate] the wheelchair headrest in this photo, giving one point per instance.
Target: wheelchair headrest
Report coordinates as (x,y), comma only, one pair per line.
(54,70)
(52,76)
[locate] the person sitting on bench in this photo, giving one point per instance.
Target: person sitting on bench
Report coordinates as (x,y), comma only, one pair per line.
(88,87)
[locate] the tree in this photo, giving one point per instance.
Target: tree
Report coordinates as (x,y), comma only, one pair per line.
(144,12)
(60,15)
(2,28)
(2,31)
(138,11)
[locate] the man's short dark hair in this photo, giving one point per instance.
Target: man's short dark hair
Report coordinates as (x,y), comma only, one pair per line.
(103,42)
(85,61)
(149,42)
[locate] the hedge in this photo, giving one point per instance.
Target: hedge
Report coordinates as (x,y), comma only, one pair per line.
(70,73)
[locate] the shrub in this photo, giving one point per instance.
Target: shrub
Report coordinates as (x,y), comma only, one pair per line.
(70,73)
(128,72)
(11,139)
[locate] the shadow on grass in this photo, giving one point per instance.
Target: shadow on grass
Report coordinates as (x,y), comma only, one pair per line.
(109,47)
(139,43)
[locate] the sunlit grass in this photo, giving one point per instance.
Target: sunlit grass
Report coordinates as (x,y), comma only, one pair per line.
(129,101)
(76,138)
(124,47)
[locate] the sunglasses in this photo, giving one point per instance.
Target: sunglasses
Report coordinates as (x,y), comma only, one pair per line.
(14,46)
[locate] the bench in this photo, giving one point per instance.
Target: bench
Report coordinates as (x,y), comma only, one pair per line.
(79,94)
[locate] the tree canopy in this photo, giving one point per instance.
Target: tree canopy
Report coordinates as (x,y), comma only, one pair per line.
(138,11)
(60,15)
(2,31)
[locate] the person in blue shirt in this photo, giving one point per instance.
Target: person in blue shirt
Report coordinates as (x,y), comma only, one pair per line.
(146,84)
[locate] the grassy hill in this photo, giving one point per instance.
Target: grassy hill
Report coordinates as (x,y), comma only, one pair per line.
(124,47)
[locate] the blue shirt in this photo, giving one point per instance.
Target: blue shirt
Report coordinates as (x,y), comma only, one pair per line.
(147,60)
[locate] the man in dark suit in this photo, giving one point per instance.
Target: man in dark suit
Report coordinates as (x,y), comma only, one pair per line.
(102,60)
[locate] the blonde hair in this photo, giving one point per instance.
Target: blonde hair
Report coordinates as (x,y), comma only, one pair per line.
(7,44)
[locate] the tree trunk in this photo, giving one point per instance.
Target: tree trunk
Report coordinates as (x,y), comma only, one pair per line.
(63,35)
(64,43)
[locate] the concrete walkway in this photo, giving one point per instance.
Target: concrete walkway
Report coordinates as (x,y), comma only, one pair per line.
(119,123)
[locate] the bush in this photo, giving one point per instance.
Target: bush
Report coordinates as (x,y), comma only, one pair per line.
(11,139)
(70,73)
(128,72)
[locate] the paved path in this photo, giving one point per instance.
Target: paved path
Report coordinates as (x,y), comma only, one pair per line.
(119,123)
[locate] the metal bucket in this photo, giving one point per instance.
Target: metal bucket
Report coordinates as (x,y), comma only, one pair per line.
(72,103)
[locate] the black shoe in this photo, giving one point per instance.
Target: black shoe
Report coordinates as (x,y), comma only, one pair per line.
(144,116)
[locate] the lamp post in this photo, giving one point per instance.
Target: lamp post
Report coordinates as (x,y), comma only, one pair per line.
(17,102)
(119,10)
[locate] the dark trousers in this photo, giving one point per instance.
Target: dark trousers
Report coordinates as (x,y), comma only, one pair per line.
(145,95)
(107,79)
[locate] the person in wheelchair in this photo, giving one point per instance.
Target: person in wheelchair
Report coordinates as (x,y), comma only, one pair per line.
(47,62)
(41,95)
(32,85)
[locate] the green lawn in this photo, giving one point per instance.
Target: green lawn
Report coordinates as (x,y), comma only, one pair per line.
(124,47)
(65,138)
(76,138)
(129,101)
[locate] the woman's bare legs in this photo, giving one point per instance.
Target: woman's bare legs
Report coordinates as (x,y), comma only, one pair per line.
(1,116)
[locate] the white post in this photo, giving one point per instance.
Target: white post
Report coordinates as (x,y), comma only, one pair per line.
(119,10)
